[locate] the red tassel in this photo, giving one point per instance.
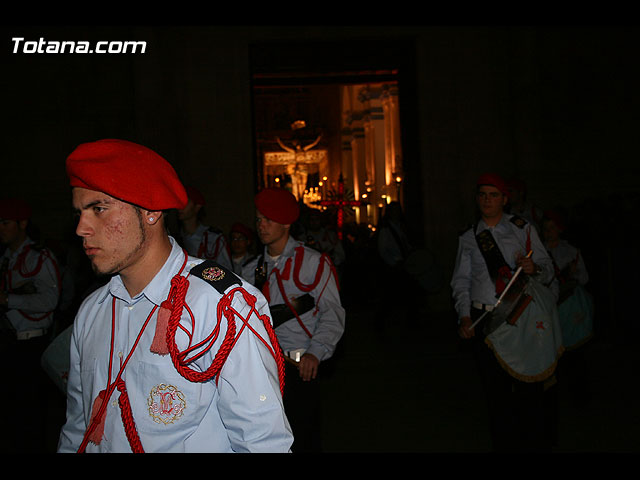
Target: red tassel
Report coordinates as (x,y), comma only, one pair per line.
(503,274)
(98,431)
(159,344)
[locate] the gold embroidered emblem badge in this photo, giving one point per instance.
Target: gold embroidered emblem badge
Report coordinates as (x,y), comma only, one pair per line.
(213,273)
(166,404)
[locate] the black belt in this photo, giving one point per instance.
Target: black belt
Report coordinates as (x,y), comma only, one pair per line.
(281,313)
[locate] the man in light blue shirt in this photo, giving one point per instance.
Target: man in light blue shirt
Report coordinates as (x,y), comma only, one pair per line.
(301,287)
(173,354)
(481,275)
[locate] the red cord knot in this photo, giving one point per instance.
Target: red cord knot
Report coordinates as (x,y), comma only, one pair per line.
(127,418)
(97,419)
(174,301)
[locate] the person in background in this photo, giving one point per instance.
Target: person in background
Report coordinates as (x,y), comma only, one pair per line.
(308,317)
(30,285)
(318,236)
(242,244)
(198,239)
(575,305)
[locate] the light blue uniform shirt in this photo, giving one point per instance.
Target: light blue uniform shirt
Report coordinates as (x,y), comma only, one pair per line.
(213,245)
(240,412)
(326,322)
(471,281)
(31,311)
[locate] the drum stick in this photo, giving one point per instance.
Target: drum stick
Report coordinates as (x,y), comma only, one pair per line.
(515,275)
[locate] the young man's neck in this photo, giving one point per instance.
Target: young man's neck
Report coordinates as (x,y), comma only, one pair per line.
(17,243)
(276,248)
(493,220)
(140,275)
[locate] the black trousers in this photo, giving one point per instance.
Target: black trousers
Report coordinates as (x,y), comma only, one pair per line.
(303,407)
(521,414)
(26,394)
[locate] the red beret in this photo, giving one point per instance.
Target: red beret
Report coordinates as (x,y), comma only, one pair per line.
(278,204)
(242,229)
(493,180)
(127,171)
(14,209)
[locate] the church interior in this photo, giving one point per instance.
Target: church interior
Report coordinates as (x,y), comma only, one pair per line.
(351,119)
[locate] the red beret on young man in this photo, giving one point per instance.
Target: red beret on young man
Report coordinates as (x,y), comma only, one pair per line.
(278,205)
(126,171)
(494,180)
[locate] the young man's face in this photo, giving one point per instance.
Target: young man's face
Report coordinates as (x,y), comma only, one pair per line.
(112,231)
(189,212)
(12,232)
(239,243)
(490,200)
(550,231)
(270,232)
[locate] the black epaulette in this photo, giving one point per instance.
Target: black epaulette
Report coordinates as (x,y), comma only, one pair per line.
(215,275)
(518,221)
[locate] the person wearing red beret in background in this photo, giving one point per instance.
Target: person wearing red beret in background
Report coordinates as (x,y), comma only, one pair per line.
(199,240)
(174,353)
(241,242)
(575,304)
(515,361)
(30,284)
(301,287)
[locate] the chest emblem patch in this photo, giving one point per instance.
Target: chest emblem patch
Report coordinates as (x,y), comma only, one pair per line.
(213,274)
(166,404)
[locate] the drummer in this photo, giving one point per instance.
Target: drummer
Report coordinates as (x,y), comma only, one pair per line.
(476,284)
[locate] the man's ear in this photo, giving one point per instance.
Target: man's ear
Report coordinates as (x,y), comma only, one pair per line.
(152,217)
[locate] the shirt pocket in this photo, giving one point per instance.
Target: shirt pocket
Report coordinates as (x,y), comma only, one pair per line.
(163,402)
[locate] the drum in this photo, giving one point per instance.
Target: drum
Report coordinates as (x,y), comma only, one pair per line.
(530,348)
(576,318)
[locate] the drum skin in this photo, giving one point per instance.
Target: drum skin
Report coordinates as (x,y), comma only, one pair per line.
(576,318)
(530,349)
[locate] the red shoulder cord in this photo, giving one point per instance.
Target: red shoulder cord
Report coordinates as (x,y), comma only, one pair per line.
(175,304)
(298,260)
(20,267)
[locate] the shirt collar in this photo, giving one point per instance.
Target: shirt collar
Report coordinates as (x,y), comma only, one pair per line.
(288,249)
(8,253)
(504,221)
(158,288)
(198,232)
